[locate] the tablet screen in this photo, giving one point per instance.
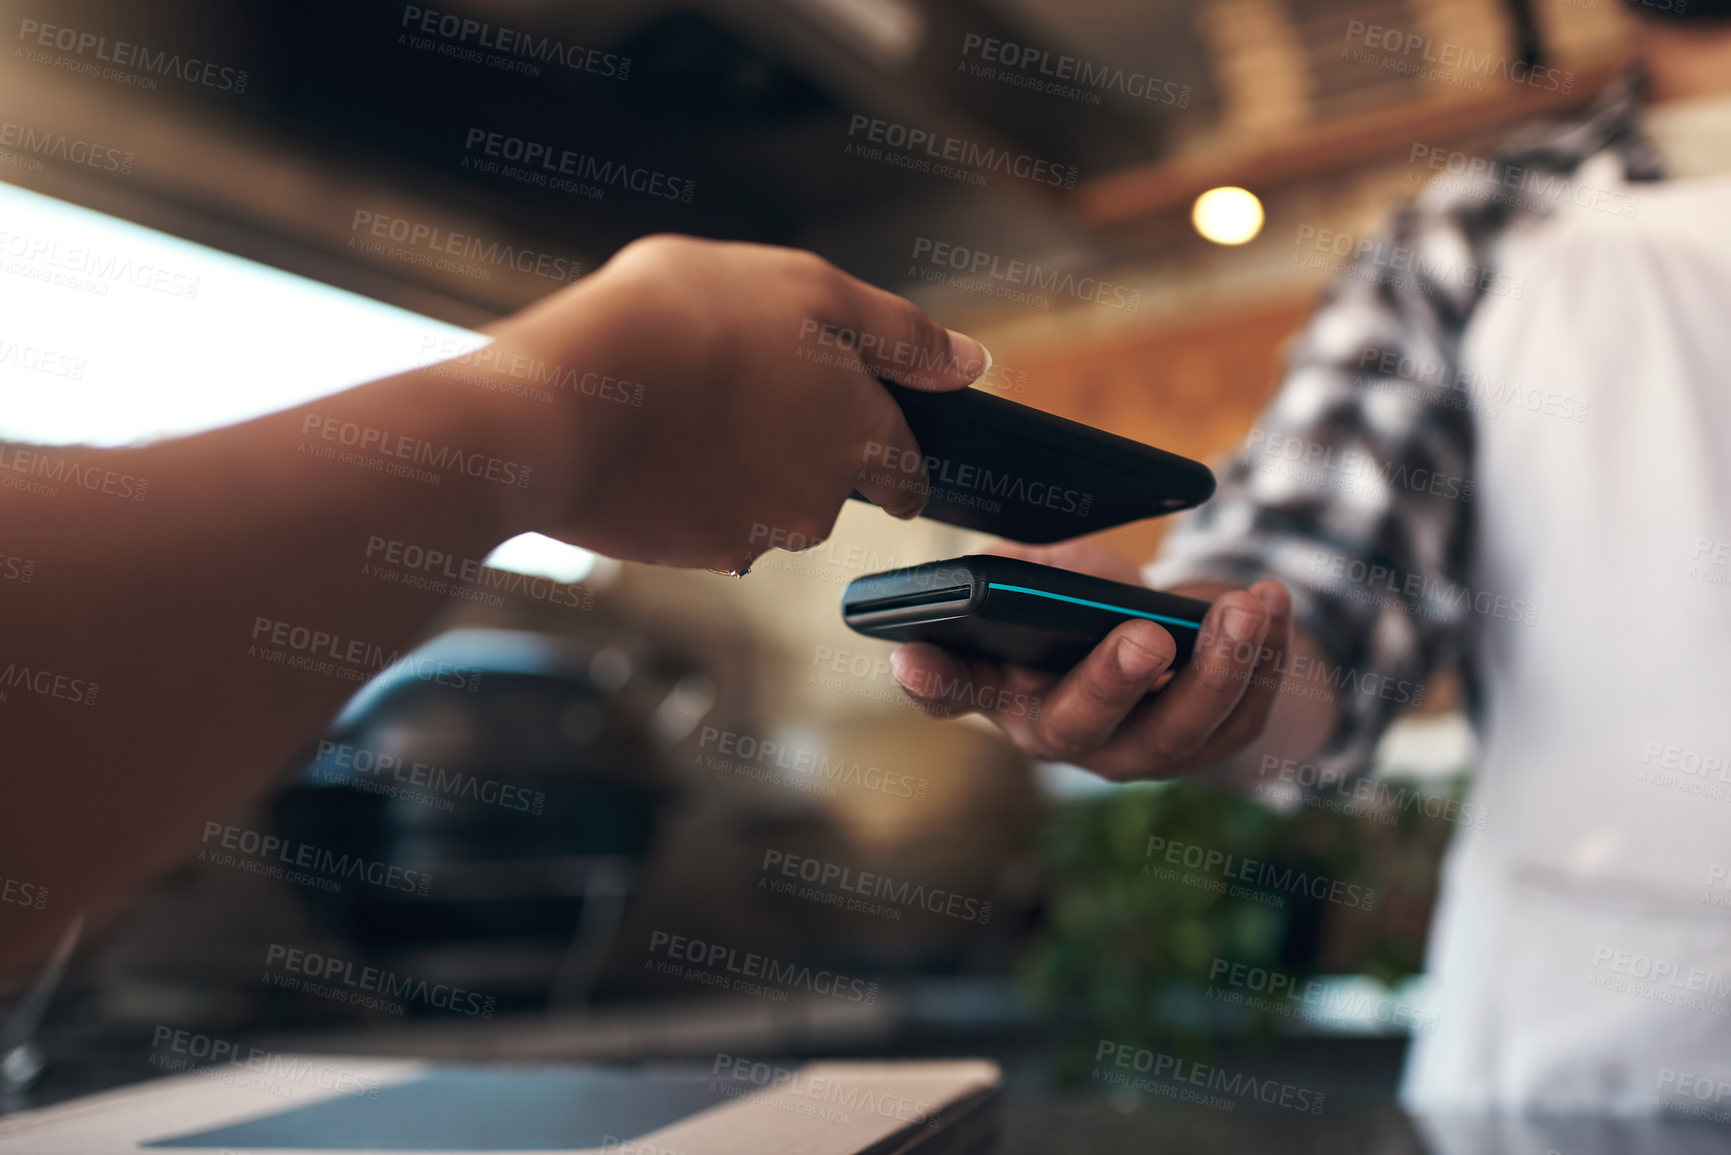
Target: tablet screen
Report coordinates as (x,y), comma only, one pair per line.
(476,1109)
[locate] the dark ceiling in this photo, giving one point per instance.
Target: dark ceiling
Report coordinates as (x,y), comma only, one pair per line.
(750,102)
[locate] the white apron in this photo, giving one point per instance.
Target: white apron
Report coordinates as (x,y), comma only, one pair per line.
(1578,955)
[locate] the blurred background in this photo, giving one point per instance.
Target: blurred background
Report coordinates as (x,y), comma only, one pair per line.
(639,754)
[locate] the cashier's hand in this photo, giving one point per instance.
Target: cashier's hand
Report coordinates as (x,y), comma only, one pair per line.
(725,401)
(1100,715)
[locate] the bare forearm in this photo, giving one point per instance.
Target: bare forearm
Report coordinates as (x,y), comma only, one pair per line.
(674,411)
(197,608)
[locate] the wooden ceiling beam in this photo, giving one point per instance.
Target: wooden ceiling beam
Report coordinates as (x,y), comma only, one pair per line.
(1169,186)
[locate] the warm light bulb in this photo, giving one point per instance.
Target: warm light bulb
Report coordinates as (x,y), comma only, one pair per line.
(1227,216)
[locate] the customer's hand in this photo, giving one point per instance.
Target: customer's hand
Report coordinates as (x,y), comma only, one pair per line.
(760,407)
(1104,714)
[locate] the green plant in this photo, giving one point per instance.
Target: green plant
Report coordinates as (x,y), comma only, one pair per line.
(1131,929)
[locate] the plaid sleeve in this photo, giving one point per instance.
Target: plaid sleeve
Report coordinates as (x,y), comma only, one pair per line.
(1355,486)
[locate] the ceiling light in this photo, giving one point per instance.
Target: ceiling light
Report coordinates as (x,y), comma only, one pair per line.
(1227,216)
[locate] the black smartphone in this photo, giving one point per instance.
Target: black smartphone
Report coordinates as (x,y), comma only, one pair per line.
(1010,610)
(1020,473)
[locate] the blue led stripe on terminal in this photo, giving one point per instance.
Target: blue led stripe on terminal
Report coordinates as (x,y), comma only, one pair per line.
(1162,618)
